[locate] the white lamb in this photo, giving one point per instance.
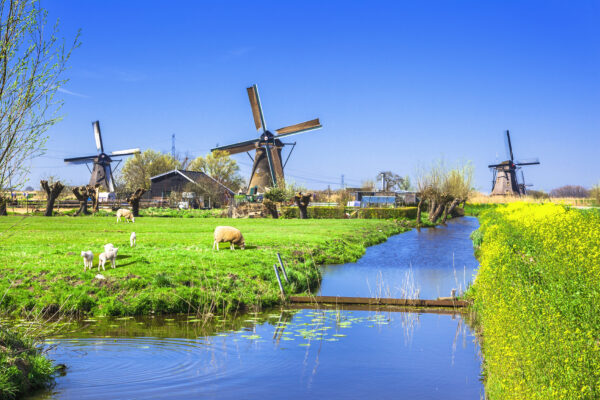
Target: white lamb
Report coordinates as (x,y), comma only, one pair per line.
(132,239)
(88,259)
(108,255)
(124,213)
(108,247)
(228,234)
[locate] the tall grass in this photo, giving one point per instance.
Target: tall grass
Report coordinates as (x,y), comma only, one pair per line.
(537,294)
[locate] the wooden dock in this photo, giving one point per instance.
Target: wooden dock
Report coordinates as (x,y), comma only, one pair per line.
(370,301)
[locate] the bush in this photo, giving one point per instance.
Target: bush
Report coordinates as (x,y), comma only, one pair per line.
(340,212)
(536,295)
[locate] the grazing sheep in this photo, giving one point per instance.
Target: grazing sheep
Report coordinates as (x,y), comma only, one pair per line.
(111,255)
(228,234)
(88,259)
(132,239)
(124,213)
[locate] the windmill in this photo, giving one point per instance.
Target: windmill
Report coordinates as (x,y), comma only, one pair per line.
(504,181)
(267,168)
(102,170)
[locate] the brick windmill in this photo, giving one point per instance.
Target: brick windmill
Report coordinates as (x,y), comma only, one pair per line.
(267,168)
(504,181)
(102,170)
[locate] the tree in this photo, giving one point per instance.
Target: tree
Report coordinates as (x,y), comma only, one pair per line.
(595,193)
(32,61)
(391,181)
(82,193)
(302,201)
(52,191)
(570,191)
(134,201)
(138,170)
(221,167)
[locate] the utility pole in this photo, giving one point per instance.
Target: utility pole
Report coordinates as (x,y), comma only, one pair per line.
(173,145)
(342,183)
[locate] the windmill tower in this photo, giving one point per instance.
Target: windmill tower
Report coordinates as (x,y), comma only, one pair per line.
(102,170)
(267,168)
(504,181)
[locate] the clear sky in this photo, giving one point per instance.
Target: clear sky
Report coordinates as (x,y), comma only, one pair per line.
(396,84)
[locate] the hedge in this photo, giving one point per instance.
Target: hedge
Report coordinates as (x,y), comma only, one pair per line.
(340,212)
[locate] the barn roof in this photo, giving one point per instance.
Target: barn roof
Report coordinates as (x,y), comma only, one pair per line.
(192,176)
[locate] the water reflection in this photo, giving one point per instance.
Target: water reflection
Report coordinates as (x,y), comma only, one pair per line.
(428,263)
(283,353)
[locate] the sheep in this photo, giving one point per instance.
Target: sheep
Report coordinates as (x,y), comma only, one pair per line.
(228,234)
(88,259)
(111,255)
(108,247)
(124,213)
(132,239)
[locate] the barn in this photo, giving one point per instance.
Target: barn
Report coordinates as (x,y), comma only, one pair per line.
(192,188)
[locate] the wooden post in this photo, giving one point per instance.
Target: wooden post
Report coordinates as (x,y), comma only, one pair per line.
(282,268)
(279,280)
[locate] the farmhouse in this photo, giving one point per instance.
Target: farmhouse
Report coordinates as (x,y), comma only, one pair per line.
(191,188)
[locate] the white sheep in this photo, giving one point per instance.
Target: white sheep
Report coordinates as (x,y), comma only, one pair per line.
(88,259)
(228,234)
(132,239)
(111,255)
(124,213)
(108,247)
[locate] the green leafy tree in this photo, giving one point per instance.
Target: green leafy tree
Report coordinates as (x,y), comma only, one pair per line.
(221,167)
(138,170)
(32,62)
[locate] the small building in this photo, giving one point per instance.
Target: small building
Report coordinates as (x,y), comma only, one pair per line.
(362,197)
(195,188)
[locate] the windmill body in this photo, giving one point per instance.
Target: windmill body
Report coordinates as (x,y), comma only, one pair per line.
(267,168)
(101,172)
(505,180)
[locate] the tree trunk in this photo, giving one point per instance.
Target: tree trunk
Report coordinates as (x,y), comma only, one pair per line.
(302,200)
(435,214)
(52,191)
(445,214)
(134,201)
(3,206)
(93,193)
(419,212)
(81,193)
(453,205)
(271,208)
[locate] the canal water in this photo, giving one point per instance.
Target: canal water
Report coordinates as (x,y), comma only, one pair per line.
(289,353)
(432,261)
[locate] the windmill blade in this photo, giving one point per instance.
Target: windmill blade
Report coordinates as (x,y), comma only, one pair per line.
(109,178)
(271,165)
(508,146)
(257,113)
(98,136)
(277,165)
(528,161)
(80,160)
(239,147)
(299,128)
(497,165)
(125,152)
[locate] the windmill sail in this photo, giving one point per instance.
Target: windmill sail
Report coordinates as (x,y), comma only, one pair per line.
(125,152)
(98,136)
(299,128)
(239,147)
(257,113)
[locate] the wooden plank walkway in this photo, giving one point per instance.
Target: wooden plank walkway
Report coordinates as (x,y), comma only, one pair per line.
(379,301)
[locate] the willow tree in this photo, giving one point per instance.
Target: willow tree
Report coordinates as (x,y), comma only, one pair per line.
(32,62)
(443,189)
(138,170)
(221,167)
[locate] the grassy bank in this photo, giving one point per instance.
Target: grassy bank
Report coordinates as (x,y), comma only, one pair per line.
(537,294)
(173,268)
(22,365)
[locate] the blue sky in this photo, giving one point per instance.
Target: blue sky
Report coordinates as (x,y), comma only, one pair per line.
(396,84)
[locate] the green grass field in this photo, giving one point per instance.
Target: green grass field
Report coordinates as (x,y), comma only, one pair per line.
(173,268)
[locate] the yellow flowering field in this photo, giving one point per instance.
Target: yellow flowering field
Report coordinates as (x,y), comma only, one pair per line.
(537,294)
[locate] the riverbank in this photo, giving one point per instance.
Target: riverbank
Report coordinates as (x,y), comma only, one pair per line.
(173,268)
(536,296)
(23,367)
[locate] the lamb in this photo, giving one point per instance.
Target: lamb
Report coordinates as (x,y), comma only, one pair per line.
(132,239)
(88,259)
(108,247)
(124,213)
(228,234)
(111,255)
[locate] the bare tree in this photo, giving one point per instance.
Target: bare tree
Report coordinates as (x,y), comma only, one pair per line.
(52,191)
(302,201)
(32,61)
(134,201)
